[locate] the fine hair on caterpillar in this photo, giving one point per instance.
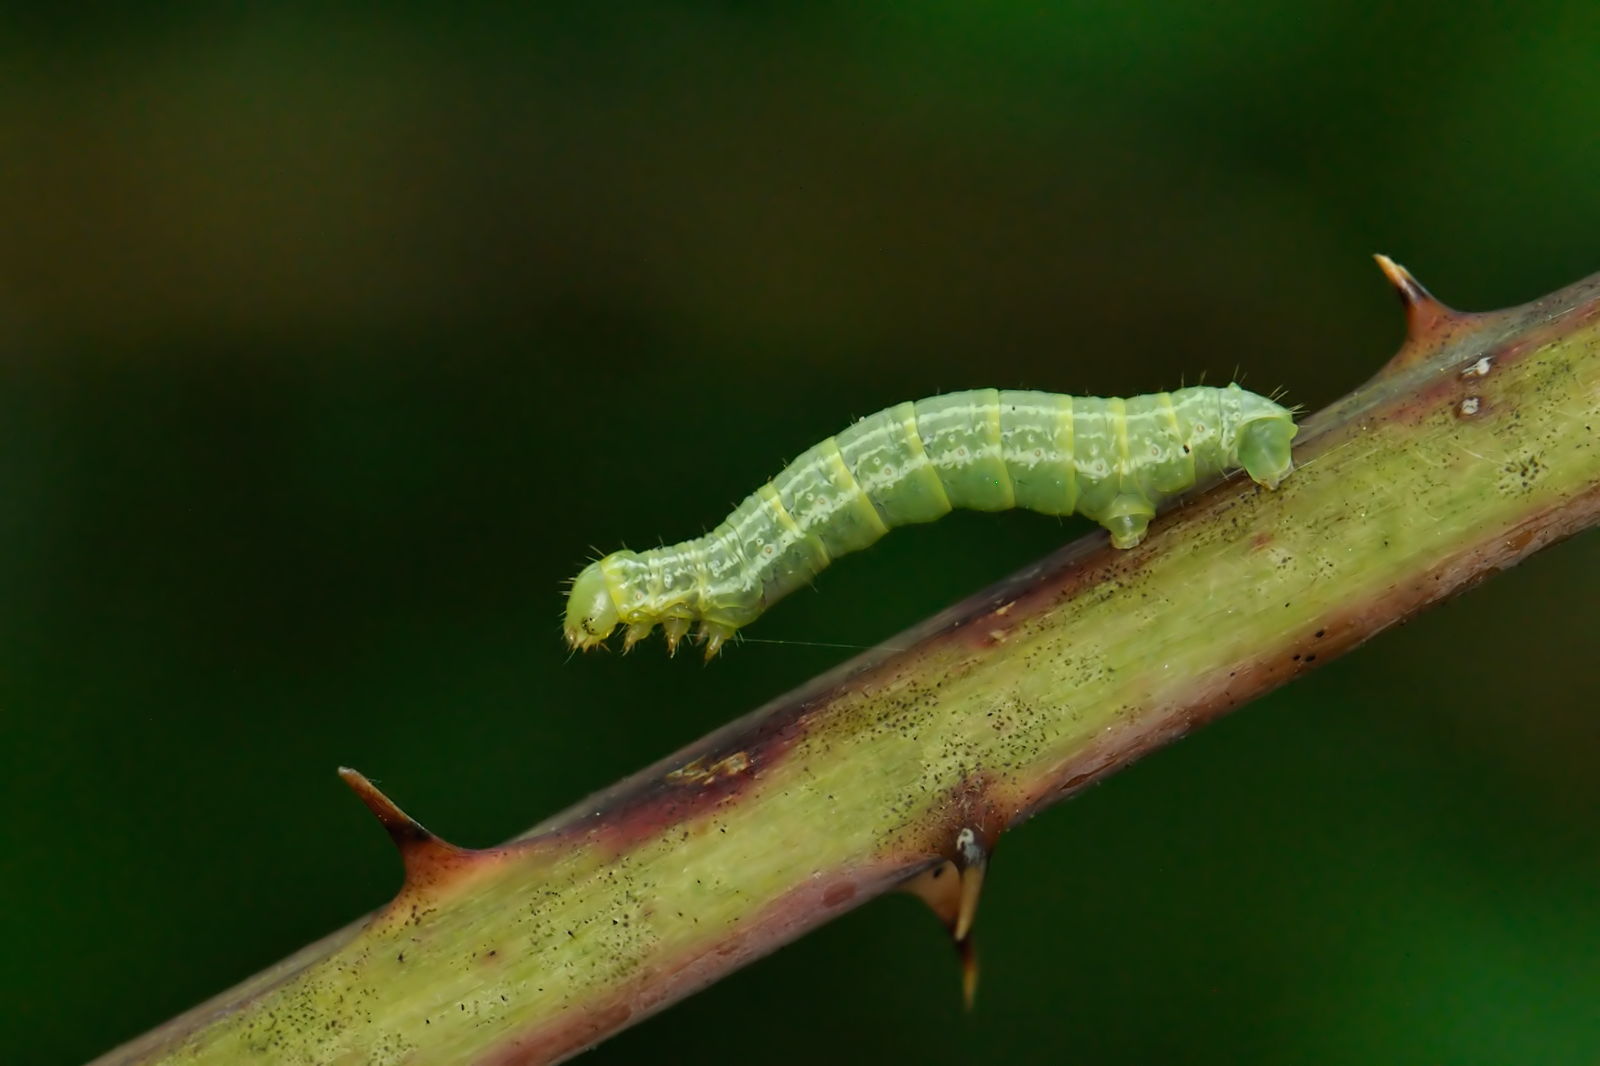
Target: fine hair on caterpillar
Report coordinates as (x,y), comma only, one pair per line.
(1111,460)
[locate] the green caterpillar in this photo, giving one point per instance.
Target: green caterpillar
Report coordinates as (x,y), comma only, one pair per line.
(1110,460)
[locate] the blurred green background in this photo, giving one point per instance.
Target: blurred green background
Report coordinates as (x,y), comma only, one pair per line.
(331,342)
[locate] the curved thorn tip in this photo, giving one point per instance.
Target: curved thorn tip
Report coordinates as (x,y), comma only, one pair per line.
(1423,310)
(426,857)
(969,973)
(1428,320)
(404,830)
(1409,288)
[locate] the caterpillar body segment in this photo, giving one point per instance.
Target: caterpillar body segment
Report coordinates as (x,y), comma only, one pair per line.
(1112,460)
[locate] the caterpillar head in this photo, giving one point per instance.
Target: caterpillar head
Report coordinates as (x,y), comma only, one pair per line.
(591,610)
(1262,440)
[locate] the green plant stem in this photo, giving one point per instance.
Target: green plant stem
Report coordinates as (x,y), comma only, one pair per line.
(1472,449)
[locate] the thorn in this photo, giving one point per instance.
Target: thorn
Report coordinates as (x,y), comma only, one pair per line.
(1409,288)
(951,890)
(425,856)
(404,830)
(1424,312)
(971,859)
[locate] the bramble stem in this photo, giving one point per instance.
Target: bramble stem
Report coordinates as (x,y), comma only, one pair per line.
(1474,448)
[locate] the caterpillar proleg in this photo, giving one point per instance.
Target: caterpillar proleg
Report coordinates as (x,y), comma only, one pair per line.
(1111,460)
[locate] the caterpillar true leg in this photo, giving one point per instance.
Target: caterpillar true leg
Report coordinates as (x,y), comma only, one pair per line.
(674,629)
(1111,460)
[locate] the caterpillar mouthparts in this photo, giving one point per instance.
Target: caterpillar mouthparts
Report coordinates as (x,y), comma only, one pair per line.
(1111,460)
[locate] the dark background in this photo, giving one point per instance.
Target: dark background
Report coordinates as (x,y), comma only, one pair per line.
(332,342)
